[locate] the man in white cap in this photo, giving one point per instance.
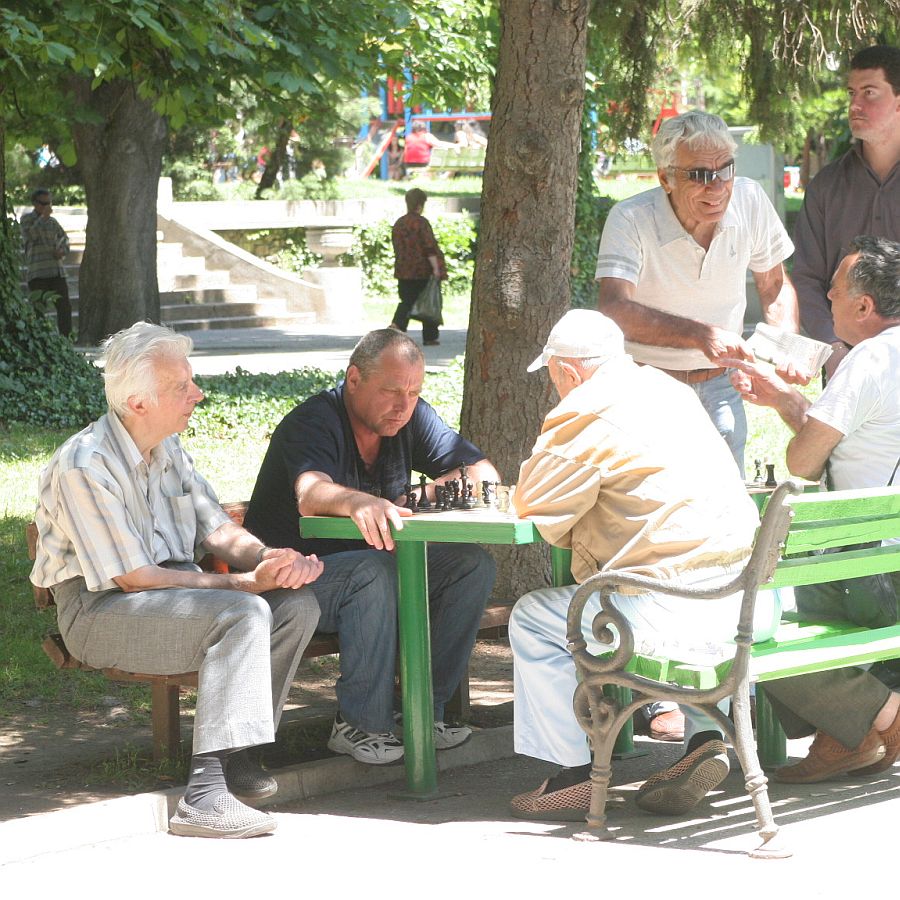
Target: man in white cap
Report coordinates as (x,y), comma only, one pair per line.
(607,480)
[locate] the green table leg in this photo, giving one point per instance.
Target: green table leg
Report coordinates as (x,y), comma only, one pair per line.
(771,743)
(415,669)
(624,746)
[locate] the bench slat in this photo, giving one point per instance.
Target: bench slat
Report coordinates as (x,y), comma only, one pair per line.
(833,566)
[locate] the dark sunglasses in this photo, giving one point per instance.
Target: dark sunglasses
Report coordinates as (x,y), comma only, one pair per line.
(707,176)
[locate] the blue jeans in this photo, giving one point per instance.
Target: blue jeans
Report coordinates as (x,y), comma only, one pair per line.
(726,409)
(357,595)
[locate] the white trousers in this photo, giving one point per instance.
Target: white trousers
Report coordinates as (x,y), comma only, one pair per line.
(544,671)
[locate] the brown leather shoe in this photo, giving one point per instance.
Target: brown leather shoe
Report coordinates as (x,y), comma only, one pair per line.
(668,726)
(891,740)
(828,758)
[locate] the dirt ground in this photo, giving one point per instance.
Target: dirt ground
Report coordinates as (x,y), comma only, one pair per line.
(53,756)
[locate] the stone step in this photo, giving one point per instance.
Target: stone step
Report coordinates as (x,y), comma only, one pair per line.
(205,278)
(180,312)
(288,320)
(235,293)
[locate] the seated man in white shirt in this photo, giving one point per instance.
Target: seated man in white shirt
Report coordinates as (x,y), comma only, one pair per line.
(853,431)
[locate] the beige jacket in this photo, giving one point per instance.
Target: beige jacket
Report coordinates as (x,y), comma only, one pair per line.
(630,474)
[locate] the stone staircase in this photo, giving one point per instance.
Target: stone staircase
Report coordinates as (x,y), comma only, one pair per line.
(192,296)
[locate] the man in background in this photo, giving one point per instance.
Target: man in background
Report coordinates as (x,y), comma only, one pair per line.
(857,194)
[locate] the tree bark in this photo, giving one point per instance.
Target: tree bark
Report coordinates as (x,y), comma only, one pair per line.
(276,159)
(521,284)
(120,153)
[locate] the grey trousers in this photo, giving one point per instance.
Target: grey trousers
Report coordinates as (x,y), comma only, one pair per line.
(841,702)
(245,648)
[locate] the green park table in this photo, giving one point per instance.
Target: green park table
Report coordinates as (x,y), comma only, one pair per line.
(458,526)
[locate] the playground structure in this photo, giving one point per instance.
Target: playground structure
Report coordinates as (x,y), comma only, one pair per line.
(396,119)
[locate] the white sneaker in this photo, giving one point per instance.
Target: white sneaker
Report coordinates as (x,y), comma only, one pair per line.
(445,736)
(365,747)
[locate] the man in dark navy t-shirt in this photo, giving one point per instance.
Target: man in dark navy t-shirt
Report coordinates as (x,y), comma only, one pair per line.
(350,451)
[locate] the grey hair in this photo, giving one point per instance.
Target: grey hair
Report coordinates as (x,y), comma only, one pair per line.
(129,358)
(876,273)
(588,363)
(695,130)
(368,351)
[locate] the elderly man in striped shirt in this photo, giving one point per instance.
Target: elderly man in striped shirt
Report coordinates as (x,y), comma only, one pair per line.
(121,514)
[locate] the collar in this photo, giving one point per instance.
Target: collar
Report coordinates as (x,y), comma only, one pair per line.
(127,449)
(669,229)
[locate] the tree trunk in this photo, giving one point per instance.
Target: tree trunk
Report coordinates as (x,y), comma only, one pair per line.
(121,157)
(525,242)
(275,160)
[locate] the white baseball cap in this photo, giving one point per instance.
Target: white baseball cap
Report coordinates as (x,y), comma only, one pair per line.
(582,334)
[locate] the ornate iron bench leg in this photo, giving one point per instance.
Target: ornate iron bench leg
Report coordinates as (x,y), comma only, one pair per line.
(756,783)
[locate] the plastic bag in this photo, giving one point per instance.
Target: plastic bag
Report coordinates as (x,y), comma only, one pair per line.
(428,305)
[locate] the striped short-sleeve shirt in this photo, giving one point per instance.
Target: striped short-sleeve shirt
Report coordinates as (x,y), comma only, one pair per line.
(104,512)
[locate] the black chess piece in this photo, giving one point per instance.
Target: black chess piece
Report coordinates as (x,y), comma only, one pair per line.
(456,501)
(424,502)
(463,474)
(410,497)
(468,499)
(440,498)
(486,493)
(770,475)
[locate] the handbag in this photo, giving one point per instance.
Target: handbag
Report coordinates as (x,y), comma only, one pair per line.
(429,304)
(870,600)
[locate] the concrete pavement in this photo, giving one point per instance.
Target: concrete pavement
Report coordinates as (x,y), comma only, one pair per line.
(369,838)
(322,346)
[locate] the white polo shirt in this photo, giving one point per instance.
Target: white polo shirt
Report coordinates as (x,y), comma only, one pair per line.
(862,402)
(644,243)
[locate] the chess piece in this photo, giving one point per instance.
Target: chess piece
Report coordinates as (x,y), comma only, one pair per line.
(410,497)
(502,498)
(770,475)
(440,498)
(424,502)
(480,499)
(468,500)
(463,475)
(757,475)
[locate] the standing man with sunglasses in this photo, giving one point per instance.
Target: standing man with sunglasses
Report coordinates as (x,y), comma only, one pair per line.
(856,194)
(673,266)
(46,244)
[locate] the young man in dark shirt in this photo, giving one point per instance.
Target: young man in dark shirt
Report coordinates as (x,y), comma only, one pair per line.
(350,451)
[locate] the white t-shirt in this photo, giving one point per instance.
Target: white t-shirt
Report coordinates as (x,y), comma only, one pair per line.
(644,243)
(863,403)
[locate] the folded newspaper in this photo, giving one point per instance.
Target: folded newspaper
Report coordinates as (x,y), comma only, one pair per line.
(782,347)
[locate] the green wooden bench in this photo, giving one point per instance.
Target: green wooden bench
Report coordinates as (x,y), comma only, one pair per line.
(456,160)
(788,552)
(166,689)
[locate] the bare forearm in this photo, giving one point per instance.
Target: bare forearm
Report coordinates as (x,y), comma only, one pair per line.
(792,407)
(645,325)
(235,546)
(148,578)
(325,498)
(779,307)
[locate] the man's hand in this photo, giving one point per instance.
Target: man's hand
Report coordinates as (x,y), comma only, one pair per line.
(790,374)
(374,516)
(759,384)
(289,568)
(721,346)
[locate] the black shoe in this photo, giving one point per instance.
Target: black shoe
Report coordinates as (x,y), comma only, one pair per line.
(246,777)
